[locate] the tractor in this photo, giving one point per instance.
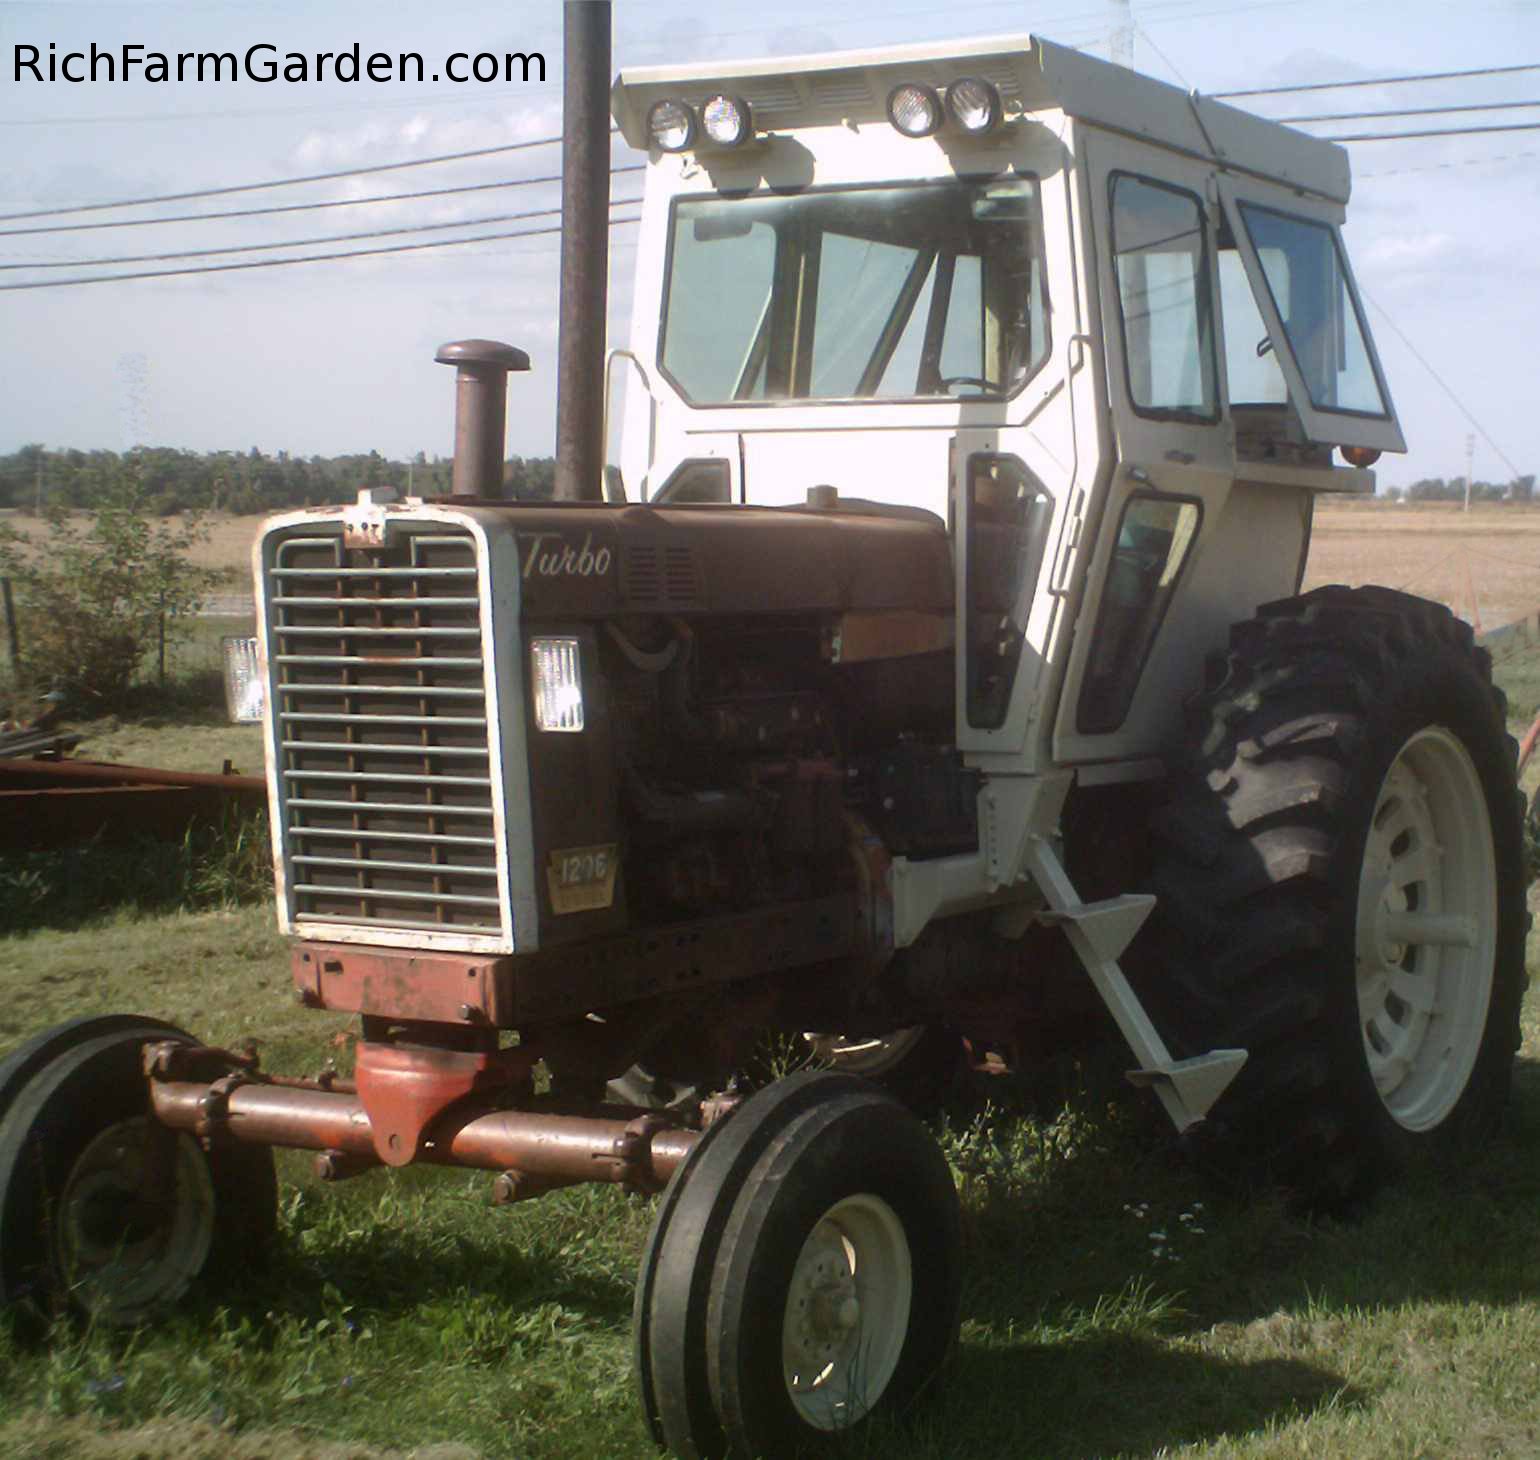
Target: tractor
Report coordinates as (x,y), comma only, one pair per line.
(931,654)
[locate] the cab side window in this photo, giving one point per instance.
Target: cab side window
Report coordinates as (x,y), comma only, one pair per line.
(1161,260)
(1155,538)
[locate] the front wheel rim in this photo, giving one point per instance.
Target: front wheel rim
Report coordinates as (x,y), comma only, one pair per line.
(847,1312)
(123,1256)
(1426,937)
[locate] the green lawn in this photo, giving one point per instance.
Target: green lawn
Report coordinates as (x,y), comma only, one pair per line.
(406,1316)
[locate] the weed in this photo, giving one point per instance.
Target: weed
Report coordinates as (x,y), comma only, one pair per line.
(218,864)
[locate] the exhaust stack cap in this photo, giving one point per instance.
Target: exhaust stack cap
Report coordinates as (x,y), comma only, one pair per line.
(491,354)
(481,405)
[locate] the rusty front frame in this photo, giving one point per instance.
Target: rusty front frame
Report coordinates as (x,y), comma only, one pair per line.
(412,1104)
(505,992)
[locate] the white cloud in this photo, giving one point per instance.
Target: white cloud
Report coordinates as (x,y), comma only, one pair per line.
(1422,250)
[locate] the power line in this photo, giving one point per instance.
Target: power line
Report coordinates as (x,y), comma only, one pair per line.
(1412,111)
(268,114)
(1436,132)
(199,253)
(1443,166)
(517,182)
(1442,383)
(281,182)
(318,258)
(1381,81)
(1170,64)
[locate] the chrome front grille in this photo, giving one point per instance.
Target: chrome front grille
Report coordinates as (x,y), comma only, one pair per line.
(387,787)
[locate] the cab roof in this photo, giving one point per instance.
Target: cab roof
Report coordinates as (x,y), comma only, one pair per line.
(1038,75)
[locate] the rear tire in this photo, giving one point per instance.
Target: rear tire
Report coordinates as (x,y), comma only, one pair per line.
(80,1226)
(1341,884)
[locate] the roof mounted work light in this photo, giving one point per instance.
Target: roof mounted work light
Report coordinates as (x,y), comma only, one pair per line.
(671,125)
(974,104)
(726,120)
(915,109)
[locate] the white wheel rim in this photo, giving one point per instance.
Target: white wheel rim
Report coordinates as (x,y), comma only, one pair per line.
(847,1312)
(1427,929)
(873,1056)
(124,1262)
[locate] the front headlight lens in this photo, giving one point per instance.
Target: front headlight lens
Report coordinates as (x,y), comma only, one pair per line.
(726,120)
(974,104)
(671,125)
(556,671)
(245,694)
(915,109)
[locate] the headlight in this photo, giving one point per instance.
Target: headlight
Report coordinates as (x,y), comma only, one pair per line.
(671,125)
(556,671)
(974,104)
(245,694)
(726,120)
(915,109)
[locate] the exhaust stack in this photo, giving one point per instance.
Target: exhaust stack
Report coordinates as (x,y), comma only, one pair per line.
(481,412)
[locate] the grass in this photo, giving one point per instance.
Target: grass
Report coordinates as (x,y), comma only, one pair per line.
(182,725)
(1115,1306)
(403,1313)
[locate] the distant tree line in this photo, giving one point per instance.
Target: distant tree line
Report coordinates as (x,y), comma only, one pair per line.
(1452,489)
(167,480)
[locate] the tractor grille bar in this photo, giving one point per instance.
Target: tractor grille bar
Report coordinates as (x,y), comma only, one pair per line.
(380,725)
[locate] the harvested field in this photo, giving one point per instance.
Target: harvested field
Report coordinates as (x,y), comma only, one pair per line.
(228,545)
(1485,564)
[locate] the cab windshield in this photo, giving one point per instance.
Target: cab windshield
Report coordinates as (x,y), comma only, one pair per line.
(917,291)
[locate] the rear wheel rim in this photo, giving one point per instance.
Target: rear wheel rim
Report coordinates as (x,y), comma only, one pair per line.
(1426,936)
(847,1312)
(872,1056)
(122,1256)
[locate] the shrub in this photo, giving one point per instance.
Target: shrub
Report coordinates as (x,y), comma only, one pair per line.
(97,593)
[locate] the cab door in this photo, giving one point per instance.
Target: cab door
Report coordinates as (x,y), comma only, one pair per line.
(1154,220)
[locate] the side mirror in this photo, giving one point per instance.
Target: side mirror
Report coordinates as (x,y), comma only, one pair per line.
(614,486)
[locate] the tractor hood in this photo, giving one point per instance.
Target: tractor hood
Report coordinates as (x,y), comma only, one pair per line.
(589,561)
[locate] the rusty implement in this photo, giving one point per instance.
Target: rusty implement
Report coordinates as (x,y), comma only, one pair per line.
(58,803)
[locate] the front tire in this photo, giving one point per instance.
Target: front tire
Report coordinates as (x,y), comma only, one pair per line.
(803,1271)
(102,1210)
(1341,891)
(836,1288)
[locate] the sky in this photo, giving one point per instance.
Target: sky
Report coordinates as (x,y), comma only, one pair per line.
(326,358)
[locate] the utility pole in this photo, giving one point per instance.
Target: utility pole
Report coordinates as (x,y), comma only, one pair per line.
(585,249)
(1120,44)
(1470,461)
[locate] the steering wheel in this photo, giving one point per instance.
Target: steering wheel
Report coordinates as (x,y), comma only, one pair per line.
(948,381)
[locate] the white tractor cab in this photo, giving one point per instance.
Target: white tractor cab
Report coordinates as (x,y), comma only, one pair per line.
(1009,273)
(1105,330)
